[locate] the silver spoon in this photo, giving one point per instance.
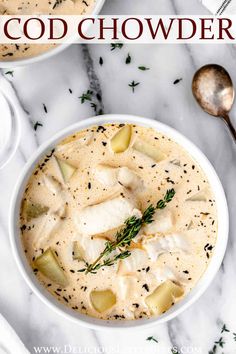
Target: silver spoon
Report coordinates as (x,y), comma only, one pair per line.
(213,89)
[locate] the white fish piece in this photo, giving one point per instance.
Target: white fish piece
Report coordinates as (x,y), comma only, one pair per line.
(106,175)
(49,224)
(126,286)
(164,273)
(105,216)
(56,188)
(163,222)
(171,243)
(137,260)
(129,178)
(91,248)
(111,176)
(76,144)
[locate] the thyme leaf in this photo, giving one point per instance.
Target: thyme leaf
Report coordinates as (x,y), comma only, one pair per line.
(128,59)
(151,338)
(116,45)
(143,68)
(10,72)
(37,124)
(224,329)
(133,84)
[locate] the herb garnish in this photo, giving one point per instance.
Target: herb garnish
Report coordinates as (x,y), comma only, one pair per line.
(224,329)
(128,59)
(37,124)
(90,96)
(220,342)
(152,339)
(133,84)
(57,3)
(45,108)
(124,237)
(86,96)
(10,73)
(177,81)
(143,68)
(116,45)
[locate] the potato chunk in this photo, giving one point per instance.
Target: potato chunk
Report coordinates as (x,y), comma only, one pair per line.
(102,300)
(66,169)
(163,297)
(33,210)
(121,140)
(48,265)
(149,150)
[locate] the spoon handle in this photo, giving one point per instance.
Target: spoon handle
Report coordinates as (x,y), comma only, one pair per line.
(230,126)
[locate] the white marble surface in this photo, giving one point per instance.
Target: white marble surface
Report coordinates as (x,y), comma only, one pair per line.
(78,69)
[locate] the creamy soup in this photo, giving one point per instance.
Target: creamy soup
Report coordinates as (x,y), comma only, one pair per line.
(118,222)
(37,7)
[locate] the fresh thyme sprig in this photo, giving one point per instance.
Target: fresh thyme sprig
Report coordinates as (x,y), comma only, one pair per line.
(124,237)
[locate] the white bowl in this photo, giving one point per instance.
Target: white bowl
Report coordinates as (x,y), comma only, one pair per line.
(21,62)
(201,286)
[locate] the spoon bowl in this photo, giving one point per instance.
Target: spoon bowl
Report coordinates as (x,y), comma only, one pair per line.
(213,89)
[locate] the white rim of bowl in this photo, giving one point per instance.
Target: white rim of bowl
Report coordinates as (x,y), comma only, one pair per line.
(51,52)
(201,286)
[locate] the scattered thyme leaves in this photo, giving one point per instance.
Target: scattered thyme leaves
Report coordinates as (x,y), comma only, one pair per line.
(177,81)
(123,237)
(10,72)
(224,329)
(116,46)
(220,342)
(213,350)
(86,96)
(56,4)
(143,68)
(94,106)
(151,338)
(45,108)
(94,100)
(133,85)
(37,124)
(128,59)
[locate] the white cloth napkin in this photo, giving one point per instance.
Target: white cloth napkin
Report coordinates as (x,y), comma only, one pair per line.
(220,7)
(10,343)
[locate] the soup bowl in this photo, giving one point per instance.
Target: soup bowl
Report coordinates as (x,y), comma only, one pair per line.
(203,283)
(48,54)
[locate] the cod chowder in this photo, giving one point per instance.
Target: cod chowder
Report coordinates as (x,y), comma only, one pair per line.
(118,222)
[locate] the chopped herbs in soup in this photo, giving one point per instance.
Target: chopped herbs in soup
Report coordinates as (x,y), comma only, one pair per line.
(118,222)
(38,7)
